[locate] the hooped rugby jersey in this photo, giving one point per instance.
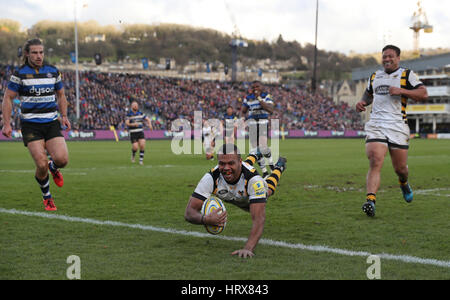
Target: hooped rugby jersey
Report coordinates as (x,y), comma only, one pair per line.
(387,108)
(36,89)
(136,118)
(250,188)
(255,109)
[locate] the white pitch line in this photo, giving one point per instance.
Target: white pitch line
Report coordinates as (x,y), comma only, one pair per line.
(34,171)
(318,248)
(434,192)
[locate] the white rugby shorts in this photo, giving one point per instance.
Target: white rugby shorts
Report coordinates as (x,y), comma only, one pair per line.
(394,134)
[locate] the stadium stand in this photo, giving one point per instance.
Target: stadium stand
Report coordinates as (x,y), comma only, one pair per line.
(105,98)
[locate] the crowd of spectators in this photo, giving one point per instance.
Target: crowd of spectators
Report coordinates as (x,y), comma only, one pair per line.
(105,99)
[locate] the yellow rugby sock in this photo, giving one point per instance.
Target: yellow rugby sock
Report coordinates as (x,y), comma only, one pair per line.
(371,197)
(272,180)
(251,159)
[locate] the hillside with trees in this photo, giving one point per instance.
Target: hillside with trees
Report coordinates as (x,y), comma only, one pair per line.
(185,44)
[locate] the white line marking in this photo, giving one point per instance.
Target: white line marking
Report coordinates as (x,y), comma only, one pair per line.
(72,171)
(403,258)
(34,171)
(434,192)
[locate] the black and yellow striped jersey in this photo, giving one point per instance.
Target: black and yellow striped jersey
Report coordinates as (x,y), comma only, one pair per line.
(387,108)
(250,188)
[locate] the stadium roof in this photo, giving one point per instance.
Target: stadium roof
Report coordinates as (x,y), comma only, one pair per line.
(420,64)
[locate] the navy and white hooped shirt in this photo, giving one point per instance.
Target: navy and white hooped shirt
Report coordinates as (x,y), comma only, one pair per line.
(255,109)
(37,92)
(136,118)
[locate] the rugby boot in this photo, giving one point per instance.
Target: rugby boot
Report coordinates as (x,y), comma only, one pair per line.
(57,176)
(258,154)
(407,192)
(49,204)
(281,164)
(369,208)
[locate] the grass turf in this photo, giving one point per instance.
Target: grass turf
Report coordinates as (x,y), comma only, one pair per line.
(318,202)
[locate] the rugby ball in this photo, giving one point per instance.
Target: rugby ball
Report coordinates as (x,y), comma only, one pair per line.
(209,205)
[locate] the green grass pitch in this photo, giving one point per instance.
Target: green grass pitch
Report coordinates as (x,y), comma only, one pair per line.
(318,203)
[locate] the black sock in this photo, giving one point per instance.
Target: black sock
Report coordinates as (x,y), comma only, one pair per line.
(45,187)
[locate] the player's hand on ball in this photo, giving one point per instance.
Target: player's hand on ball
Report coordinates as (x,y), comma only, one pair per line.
(217,217)
(244,253)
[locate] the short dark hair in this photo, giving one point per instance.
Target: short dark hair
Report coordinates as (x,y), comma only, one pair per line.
(229,149)
(392,47)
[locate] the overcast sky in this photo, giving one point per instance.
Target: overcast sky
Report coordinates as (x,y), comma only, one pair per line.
(361,26)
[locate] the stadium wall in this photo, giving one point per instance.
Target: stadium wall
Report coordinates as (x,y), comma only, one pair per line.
(93,135)
(163,134)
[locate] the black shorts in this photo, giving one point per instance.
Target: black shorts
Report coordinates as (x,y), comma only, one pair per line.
(40,131)
(136,136)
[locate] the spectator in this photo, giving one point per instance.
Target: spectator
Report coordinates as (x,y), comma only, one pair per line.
(105,98)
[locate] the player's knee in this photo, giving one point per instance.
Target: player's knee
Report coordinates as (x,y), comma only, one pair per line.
(375,160)
(64,163)
(42,165)
(401,171)
(61,162)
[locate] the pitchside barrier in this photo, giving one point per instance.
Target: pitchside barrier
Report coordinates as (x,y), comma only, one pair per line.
(91,135)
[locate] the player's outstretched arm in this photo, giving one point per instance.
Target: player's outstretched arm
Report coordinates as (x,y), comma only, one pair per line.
(193,215)
(258,214)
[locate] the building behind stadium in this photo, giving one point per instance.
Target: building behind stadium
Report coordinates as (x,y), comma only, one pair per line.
(433,116)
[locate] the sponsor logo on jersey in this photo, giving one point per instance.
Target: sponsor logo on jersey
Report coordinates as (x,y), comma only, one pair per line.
(40,91)
(222,192)
(382,90)
(259,188)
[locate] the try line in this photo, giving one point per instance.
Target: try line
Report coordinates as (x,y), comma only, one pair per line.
(319,248)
